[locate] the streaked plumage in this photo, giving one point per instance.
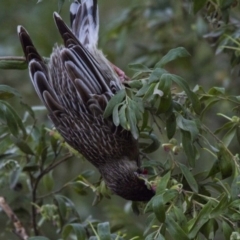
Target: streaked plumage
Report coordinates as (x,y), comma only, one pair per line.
(75,87)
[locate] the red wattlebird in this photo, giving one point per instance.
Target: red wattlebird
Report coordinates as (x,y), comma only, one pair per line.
(75,86)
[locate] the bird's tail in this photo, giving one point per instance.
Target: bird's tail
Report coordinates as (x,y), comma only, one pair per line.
(85,22)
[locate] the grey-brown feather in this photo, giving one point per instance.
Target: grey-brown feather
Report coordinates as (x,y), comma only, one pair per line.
(75,87)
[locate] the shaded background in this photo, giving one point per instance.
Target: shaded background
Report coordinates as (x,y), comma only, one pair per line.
(145,38)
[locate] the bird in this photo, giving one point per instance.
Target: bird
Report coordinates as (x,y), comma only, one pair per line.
(76,86)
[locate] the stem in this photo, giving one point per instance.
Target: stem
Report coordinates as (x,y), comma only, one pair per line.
(13,58)
(54,192)
(35,187)
(51,167)
(155,121)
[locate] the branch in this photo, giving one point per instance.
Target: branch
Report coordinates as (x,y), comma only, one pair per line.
(35,186)
(13,58)
(19,229)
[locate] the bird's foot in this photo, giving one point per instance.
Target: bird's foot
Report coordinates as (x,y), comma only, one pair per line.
(123,77)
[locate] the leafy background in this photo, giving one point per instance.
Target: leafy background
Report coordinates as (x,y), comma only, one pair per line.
(139,32)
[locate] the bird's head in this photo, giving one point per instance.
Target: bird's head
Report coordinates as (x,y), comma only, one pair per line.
(122,178)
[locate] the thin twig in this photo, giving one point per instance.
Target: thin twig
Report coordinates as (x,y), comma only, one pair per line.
(145,156)
(13,58)
(221,142)
(53,192)
(51,167)
(19,229)
(155,121)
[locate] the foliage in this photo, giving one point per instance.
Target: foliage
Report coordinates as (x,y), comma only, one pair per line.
(161,110)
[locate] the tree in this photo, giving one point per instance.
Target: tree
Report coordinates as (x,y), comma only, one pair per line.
(189,151)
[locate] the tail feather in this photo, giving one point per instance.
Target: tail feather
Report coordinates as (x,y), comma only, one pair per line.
(85,22)
(82,54)
(38,72)
(30,51)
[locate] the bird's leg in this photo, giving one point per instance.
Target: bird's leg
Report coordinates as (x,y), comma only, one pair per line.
(123,77)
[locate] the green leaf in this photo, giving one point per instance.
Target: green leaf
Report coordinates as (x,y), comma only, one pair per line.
(235,187)
(61,205)
(137,108)
(188,125)
(165,105)
(158,206)
(138,67)
(147,91)
(103,230)
(22,145)
(116,99)
(154,145)
(171,125)
(180,215)
(156,75)
(210,228)
(209,103)
(10,121)
(189,177)
(163,182)
(13,120)
(135,84)
(48,181)
(54,144)
(216,91)
(150,221)
(93,238)
(7,92)
(201,219)
(74,228)
(157,91)
(174,229)
(198,5)
(189,148)
(238,134)
(221,206)
(226,126)
(64,204)
(29,109)
(132,122)
(146,118)
(153,236)
(225,162)
(191,95)
(172,55)
(115,115)
(122,117)
(14,176)
(228,137)
(214,169)
(31,167)
(9,165)
(227,229)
